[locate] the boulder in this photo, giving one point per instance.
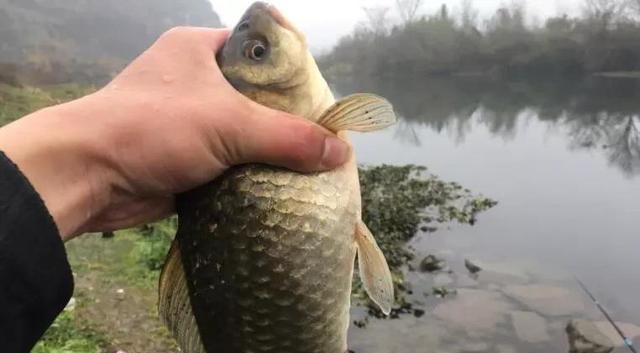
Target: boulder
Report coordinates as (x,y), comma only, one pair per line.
(586,337)
(598,336)
(431,264)
(471,267)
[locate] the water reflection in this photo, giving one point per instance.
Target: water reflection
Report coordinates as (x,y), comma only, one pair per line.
(599,114)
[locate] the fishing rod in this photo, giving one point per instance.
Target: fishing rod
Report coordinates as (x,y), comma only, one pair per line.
(627,341)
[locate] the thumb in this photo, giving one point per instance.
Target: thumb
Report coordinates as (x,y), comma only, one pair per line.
(264,135)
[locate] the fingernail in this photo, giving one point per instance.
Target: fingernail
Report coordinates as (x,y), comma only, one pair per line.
(336,152)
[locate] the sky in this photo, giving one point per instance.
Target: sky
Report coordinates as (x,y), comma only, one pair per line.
(325,21)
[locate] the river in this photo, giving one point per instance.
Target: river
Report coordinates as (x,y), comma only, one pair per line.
(563,161)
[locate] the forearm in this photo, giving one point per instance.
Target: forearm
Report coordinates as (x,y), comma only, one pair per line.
(53,149)
(35,277)
(117,157)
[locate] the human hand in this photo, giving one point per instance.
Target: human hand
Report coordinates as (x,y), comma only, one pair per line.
(168,123)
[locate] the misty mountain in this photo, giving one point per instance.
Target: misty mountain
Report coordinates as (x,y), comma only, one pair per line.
(60,37)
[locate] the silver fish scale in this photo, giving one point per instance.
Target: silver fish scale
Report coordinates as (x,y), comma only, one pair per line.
(268,256)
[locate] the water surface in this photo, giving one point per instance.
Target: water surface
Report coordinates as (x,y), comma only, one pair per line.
(563,160)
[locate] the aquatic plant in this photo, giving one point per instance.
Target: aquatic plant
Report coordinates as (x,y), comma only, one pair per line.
(398,201)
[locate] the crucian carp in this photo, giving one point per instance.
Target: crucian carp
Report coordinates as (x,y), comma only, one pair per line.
(264,257)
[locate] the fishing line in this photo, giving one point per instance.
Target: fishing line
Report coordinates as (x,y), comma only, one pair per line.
(627,341)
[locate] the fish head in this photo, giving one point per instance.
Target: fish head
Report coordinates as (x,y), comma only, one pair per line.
(267,59)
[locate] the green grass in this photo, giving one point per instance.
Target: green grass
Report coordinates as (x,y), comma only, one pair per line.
(16,102)
(69,335)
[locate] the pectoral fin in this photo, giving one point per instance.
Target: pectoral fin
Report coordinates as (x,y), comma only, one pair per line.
(374,271)
(359,112)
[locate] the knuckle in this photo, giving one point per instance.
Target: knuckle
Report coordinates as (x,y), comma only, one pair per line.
(308,147)
(177,32)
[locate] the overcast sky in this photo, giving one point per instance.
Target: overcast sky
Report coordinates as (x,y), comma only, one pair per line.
(324,21)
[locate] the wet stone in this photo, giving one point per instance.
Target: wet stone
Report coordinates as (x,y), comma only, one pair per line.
(472,267)
(442,279)
(410,335)
(466,281)
(530,327)
(630,330)
(443,292)
(547,300)
(505,348)
(431,264)
(475,347)
(474,310)
(586,337)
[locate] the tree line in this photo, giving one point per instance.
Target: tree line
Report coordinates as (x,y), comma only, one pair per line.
(604,38)
(58,41)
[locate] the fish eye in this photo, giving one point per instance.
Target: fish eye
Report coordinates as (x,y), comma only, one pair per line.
(255,50)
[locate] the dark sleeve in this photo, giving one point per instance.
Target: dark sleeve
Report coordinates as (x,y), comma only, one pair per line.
(35,277)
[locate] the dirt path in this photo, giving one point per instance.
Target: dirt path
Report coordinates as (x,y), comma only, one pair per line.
(116,296)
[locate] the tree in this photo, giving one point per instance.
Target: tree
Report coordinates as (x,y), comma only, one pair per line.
(606,11)
(377,19)
(408,9)
(469,15)
(634,7)
(444,12)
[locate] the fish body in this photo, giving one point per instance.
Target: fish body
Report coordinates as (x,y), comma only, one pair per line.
(263,259)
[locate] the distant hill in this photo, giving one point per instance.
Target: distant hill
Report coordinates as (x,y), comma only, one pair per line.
(86,40)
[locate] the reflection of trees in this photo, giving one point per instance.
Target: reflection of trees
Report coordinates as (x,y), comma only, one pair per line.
(617,135)
(596,113)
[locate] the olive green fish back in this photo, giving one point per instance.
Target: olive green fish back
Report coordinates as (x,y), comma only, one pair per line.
(268,256)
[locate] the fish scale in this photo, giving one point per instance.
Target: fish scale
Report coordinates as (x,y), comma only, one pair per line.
(271,261)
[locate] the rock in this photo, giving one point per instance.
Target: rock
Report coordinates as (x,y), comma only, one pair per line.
(630,330)
(473,268)
(443,291)
(431,264)
(504,348)
(530,327)
(71,305)
(474,310)
(442,279)
(586,337)
(547,300)
(409,335)
(475,347)
(466,281)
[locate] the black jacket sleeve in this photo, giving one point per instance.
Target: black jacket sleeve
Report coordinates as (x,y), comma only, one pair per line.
(35,277)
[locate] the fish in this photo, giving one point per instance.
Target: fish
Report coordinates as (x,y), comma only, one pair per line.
(263,259)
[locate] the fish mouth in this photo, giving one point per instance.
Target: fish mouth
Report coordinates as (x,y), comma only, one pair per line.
(260,10)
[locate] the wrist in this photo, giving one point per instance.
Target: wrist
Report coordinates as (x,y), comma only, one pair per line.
(53,151)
